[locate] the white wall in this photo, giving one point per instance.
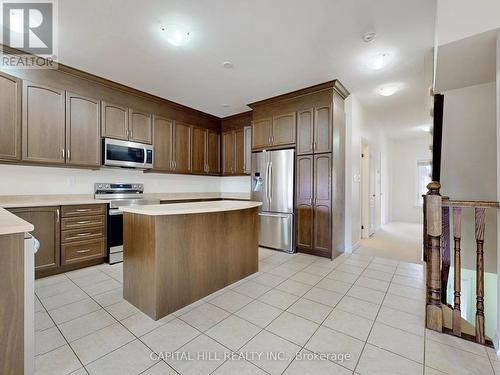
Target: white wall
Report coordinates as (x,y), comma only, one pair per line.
(360,125)
(20,180)
(404,155)
(237,184)
(458,19)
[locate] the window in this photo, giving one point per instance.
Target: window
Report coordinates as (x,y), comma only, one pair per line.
(424,172)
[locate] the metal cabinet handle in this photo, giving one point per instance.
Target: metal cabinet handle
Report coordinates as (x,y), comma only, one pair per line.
(69,154)
(63,154)
(83,251)
(83,210)
(83,222)
(57,215)
(79,235)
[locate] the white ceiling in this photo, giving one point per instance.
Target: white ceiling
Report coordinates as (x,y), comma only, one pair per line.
(276,46)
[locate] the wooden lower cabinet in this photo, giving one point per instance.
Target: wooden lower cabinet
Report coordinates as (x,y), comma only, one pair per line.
(46,221)
(314,204)
(70,237)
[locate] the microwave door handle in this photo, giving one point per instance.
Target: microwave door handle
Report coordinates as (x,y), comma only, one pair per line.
(145,155)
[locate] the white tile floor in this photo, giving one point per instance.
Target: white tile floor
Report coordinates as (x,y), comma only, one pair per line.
(368,311)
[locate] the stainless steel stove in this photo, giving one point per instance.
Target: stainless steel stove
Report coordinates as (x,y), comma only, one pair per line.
(119,195)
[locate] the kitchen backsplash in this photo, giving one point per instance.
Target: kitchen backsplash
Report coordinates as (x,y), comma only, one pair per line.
(25,180)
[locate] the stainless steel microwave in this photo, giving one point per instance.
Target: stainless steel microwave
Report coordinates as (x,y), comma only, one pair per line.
(116,153)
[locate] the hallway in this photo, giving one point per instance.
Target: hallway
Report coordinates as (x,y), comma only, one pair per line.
(396,240)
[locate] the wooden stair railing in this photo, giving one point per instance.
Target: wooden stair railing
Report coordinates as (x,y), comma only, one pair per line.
(437,255)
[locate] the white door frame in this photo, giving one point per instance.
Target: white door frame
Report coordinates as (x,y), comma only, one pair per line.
(365,189)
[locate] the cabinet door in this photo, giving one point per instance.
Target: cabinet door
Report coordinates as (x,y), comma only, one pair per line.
(239,151)
(305,132)
(47,230)
(261,132)
(163,134)
(182,148)
(198,150)
(304,211)
(322,204)
(83,131)
(322,129)
(283,129)
(10,117)
(228,153)
(248,150)
(43,124)
(213,151)
(114,121)
(140,126)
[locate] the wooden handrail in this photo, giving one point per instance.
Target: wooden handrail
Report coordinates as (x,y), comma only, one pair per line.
(447,202)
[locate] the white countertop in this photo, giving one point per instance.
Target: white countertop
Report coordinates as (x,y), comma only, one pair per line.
(190,208)
(10,223)
(18,201)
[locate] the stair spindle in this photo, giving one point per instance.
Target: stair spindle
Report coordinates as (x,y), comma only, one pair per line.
(479,231)
(445,252)
(457,235)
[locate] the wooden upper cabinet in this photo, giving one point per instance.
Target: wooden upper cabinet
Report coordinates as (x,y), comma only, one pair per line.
(43,124)
(262,132)
(283,129)
(304,206)
(239,151)
(323,129)
(248,149)
(163,134)
(213,152)
(47,230)
(10,117)
(83,131)
(140,126)
(198,150)
(182,148)
(322,203)
(228,153)
(114,121)
(305,131)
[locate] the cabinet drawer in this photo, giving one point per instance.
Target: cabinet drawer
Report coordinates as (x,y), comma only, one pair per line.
(83,210)
(82,250)
(82,222)
(82,234)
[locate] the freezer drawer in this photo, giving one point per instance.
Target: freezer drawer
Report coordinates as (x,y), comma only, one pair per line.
(276,231)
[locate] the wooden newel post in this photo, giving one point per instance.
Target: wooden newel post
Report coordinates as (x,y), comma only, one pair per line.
(433,215)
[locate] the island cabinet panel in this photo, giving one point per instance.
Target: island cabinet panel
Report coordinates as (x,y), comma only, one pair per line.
(10,117)
(305,132)
(12,304)
(323,129)
(182,148)
(213,152)
(228,153)
(43,124)
(198,150)
(262,132)
(83,131)
(304,205)
(163,142)
(283,129)
(114,121)
(140,126)
(168,265)
(322,204)
(46,221)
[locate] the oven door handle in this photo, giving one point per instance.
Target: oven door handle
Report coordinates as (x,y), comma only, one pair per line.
(115,212)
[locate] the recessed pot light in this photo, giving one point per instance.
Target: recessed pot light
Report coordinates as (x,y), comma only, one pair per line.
(226,105)
(369,36)
(175,35)
(228,64)
(388,90)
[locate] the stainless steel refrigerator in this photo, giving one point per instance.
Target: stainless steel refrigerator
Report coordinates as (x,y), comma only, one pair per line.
(272,184)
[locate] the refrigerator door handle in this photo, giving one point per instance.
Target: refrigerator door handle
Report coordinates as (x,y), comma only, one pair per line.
(270,181)
(274,215)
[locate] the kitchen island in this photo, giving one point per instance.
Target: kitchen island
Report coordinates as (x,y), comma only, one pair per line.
(176,254)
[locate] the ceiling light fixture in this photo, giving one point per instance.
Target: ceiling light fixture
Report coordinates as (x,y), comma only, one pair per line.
(228,65)
(388,90)
(226,105)
(379,61)
(175,35)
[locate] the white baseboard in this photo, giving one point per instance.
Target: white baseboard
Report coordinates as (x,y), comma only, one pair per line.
(496,342)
